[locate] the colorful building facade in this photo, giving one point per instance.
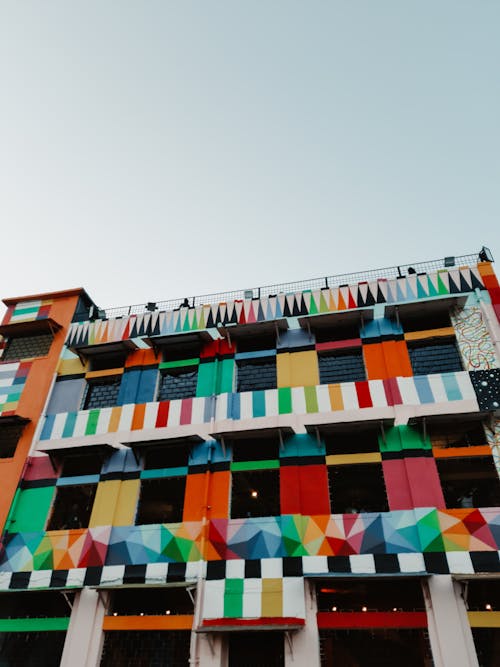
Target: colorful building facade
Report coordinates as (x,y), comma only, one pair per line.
(308,476)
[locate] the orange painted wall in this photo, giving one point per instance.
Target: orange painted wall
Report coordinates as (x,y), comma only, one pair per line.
(387,360)
(34,395)
(214,487)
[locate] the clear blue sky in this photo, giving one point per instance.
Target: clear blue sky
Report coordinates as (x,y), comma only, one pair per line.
(156,149)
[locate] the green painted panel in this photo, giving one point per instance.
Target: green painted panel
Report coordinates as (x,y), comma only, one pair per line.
(255,465)
(206,379)
(233,598)
(225,373)
(392,440)
(33,624)
(32,509)
(412,438)
(179,364)
(311,399)
(92,422)
(284,400)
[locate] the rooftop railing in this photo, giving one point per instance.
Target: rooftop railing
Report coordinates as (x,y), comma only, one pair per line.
(298,286)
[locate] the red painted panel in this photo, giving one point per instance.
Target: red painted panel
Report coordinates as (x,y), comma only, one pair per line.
(290,490)
(363,392)
(39,467)
(314,496)
(162,416)
(253,622)
(397,485)
(425,485)
(372,619)
(186,411)
(338,344)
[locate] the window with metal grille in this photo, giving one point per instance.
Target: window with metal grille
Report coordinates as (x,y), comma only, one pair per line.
(487,645)
(178,383)
(255,493)
(388,647)
(357,488)
(341,367)
(247,650)
(9,437)
(469,481)
(150,648)
(30,649)
(438,356)
(102,393)
(27,347)
(161,500)
(456,433)
(256,374)
(72,507)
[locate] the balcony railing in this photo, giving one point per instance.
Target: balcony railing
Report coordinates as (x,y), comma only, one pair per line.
(298,286)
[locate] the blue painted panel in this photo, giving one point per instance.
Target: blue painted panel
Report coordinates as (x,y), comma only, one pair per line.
(66,396)
(128,387)
(147,386)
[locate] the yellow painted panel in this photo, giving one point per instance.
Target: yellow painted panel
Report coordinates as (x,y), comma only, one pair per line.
(484,619)
(105,503)
(336,400)
(298,369)
(105,373)
(115,419)
(346,459)
(127,503)
(430,333)
(70,367)
(272,597)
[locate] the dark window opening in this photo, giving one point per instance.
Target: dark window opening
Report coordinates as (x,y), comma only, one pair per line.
(102,393)
(81,464)
(166,456)
(424,320)
(151,648)
(483,595)
(151,601)
(27,347)
(256,343)
(469,482)
(31,649)
(256,374)
(246,649)
(176,383)
(256,449)
(338,332)
(456,434)
(255,493)
(72,507)
(487,644)
(103,362)
(161,500)
(353,441)
(35,604)
(182,351)
(341,367)
(376,648)
(9,437)
(438,356)
(357,488)
(356,595)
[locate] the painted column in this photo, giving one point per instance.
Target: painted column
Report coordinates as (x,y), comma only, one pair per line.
(449,631)
(302,647)
(84,638)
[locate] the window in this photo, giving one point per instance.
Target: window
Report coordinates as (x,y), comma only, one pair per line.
(456,434)
(435,356)
(357,488)
(34,604)
(178,383)
(338,332)
(353,441)
(483,595)
(265,649)
(104,361)
(32,648)
(151,601)
(81,464)
(255,493)
(27,347)
(423,320)
(166,456)
(389,595)
(146,648)
(256,342)
(256,374)
(256,449)
(9,437)
(161,500)
(469,482)
(102,393)
(345,366)
(72,507)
